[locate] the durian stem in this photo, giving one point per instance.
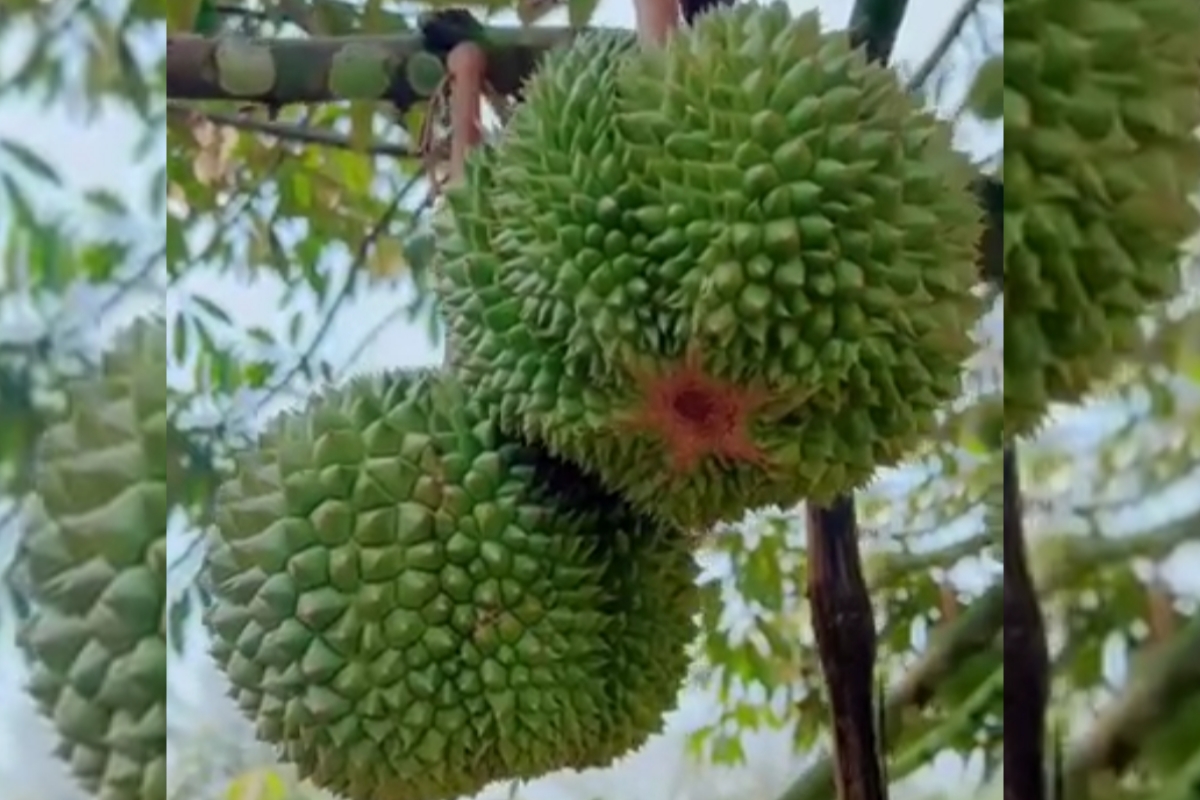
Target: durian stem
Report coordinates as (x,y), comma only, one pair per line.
(844,626)
(1026,656)
(466,66)
(874,25)
(691,9)
(990,192)
(656,20)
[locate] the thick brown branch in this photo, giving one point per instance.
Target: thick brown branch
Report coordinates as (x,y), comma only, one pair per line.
(844,627)
(990,193)
(1026,656)
(301,67)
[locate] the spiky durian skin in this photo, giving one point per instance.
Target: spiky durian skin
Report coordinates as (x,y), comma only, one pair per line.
(94,559)
(1100,157)
(755,194)
(413,606)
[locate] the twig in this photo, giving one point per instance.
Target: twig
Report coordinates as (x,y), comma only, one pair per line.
(188,552)
(126,286)
(186,112)
(943,45)
(369,338)
(389,318)
(343,295)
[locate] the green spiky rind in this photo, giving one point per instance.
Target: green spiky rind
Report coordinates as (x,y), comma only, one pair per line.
(94,559)
(413,606)
(1100,157)
(652,584)
(755,191)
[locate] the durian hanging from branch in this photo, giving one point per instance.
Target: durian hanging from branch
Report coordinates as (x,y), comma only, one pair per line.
(413,605)
(691,269)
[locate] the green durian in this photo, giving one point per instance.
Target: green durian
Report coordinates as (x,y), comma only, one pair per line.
(412,605)
(1101,102)
(94,560)
(727,273)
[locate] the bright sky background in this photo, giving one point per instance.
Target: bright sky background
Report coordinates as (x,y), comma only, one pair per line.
(95,156)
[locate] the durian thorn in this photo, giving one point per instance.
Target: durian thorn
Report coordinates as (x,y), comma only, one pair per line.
(656,20)
(466,67)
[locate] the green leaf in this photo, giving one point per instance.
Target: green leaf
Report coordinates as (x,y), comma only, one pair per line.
(134,86)
(295,325)
(727,749)
(182,15)
(261,335)
(23,215)
(257,374)
(336,18)
(986,95)
(31,161)
(259,784)
(100,262)
(179,338)
(177,617)
(50,260)
(106,201)
(212,309)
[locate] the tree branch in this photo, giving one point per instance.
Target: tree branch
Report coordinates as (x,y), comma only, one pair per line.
(983,620)
(844,628)
(1154,696)
(299,70)
(281,130)
(943,45)
(1026,655)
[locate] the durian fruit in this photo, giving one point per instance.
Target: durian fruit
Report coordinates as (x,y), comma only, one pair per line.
(413,606)
(94,560)
(1101,105)
(731,272)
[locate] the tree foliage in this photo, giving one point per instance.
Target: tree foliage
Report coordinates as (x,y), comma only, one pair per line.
(296,251)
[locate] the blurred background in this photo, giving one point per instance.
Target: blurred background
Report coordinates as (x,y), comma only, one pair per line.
(250,240)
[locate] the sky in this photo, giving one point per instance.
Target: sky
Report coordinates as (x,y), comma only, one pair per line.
(91,156)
